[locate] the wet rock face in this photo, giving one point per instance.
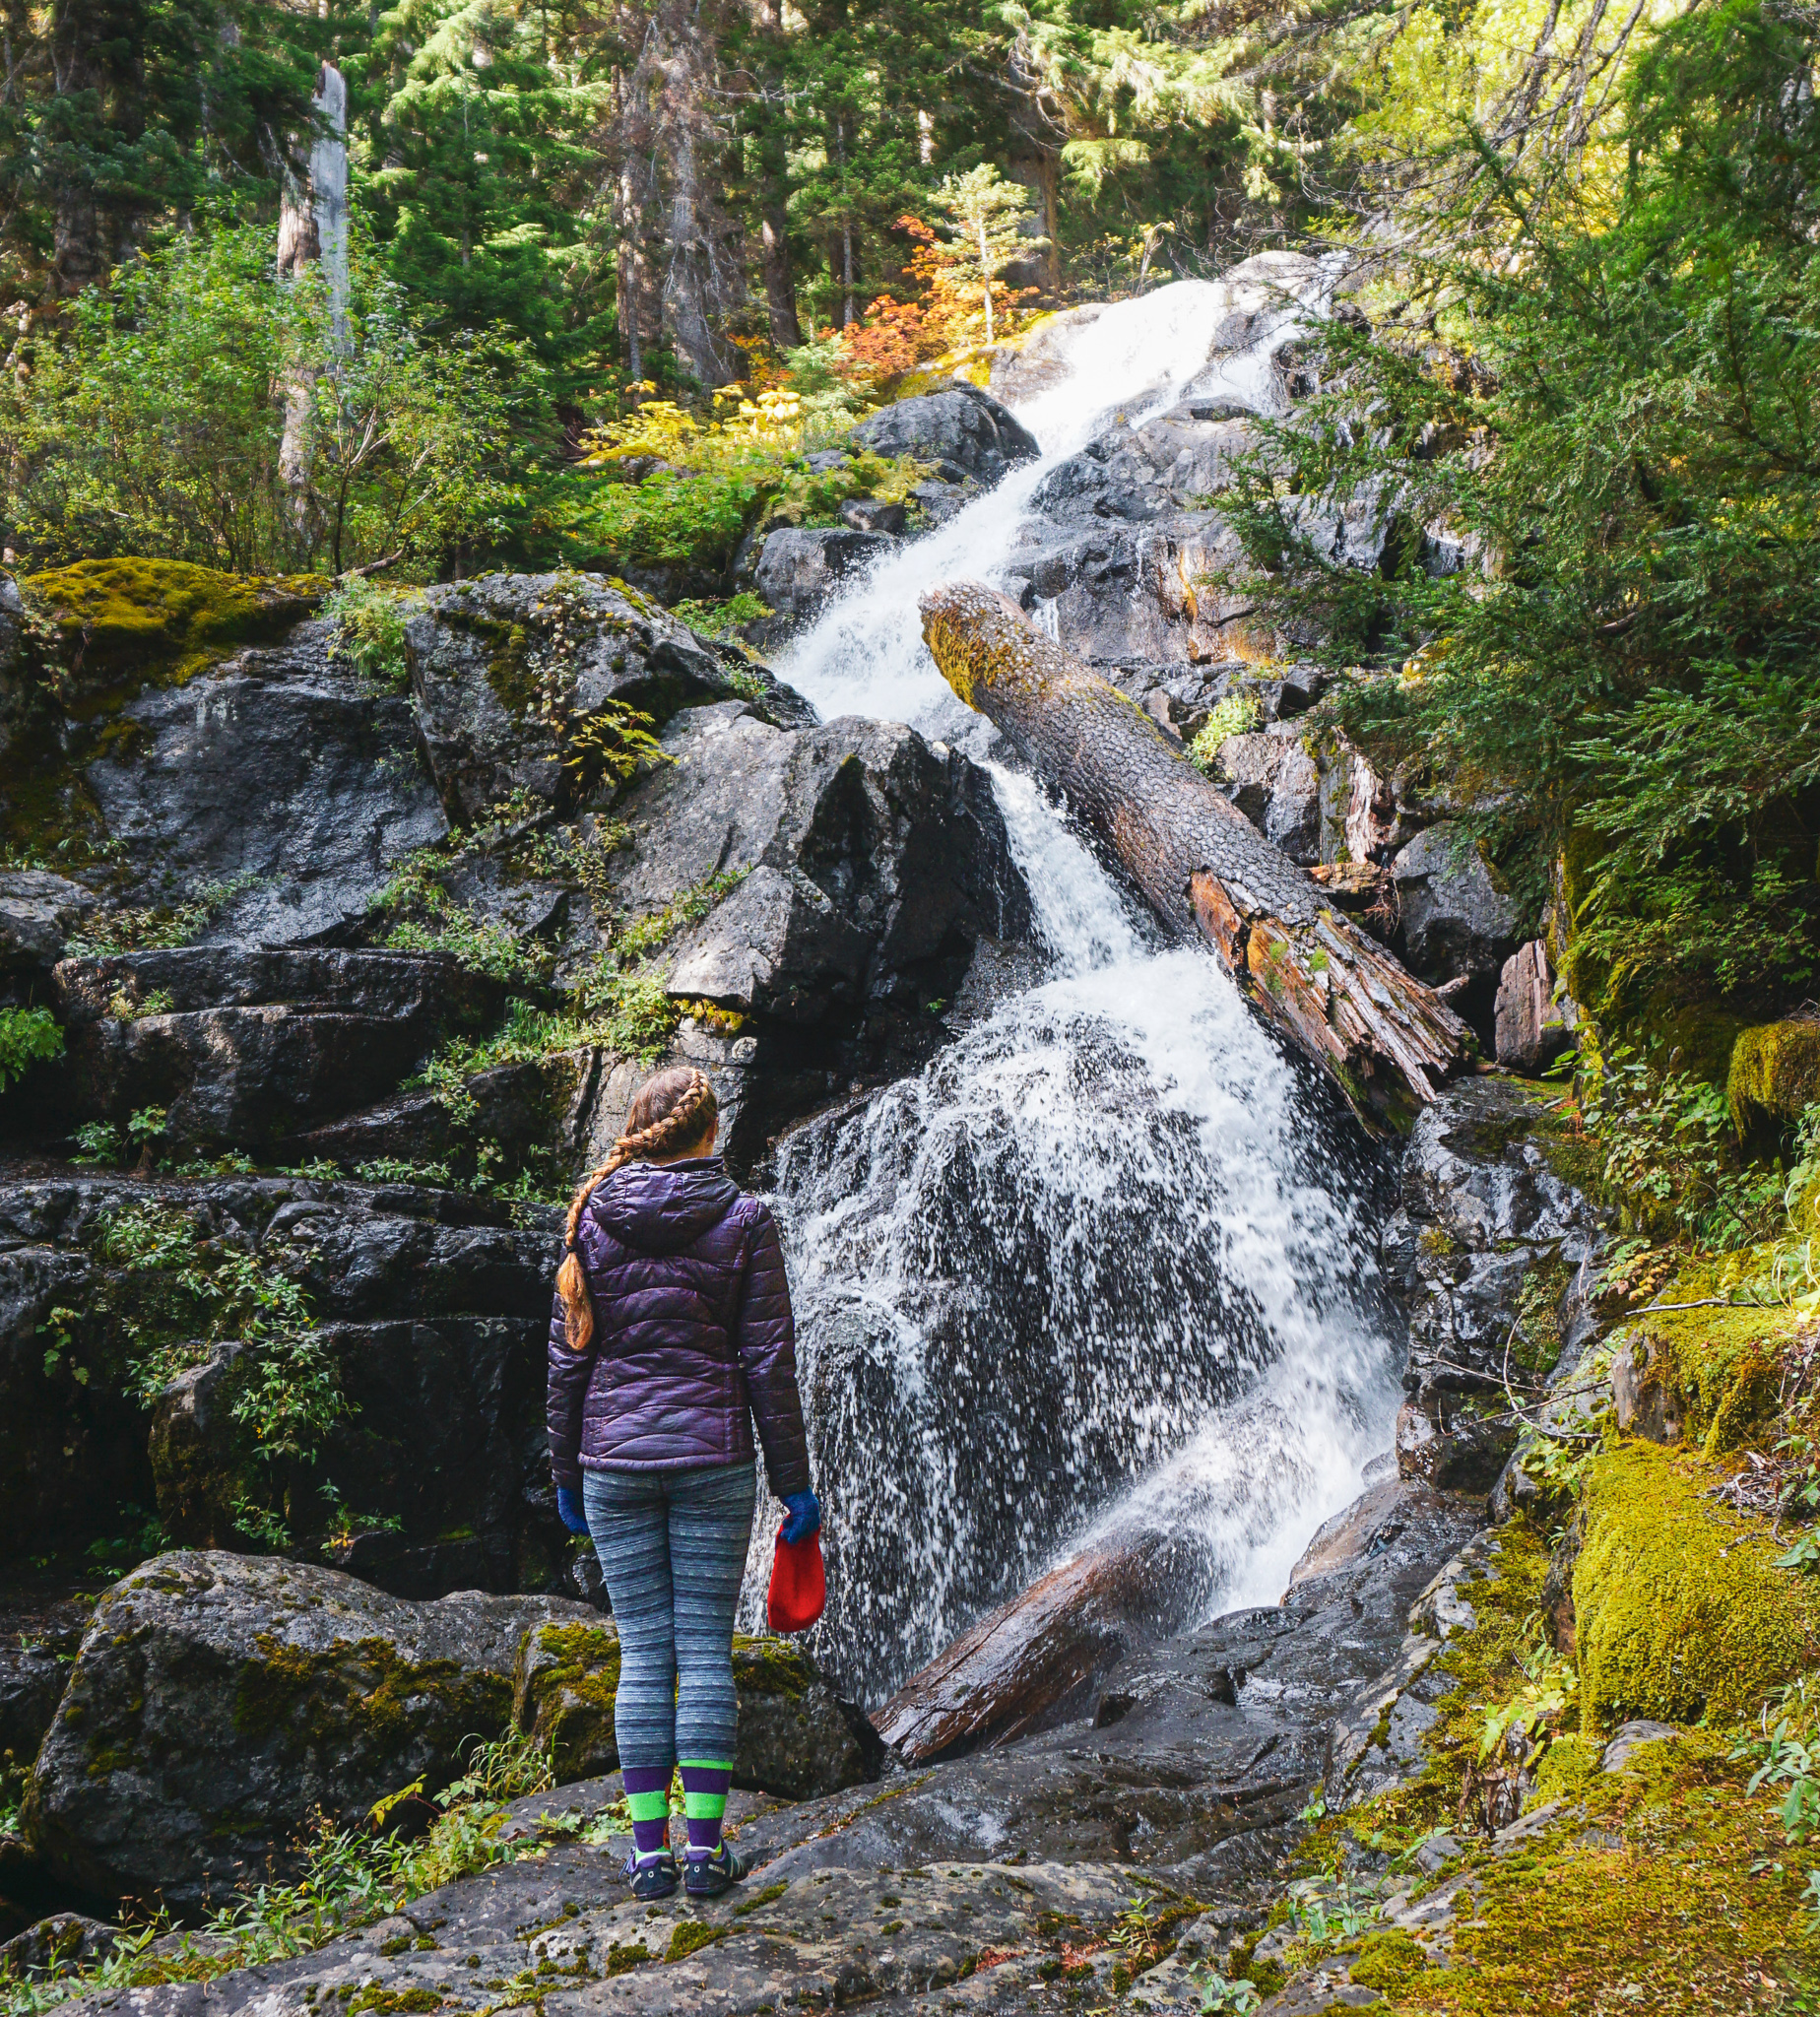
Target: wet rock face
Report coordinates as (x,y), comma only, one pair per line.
(39,913)
(428,1309)
(802,568)
(281,769)
(217,1702)
(871,863)
(1494,1252)
(510,669)
(965,432)
(1455,923)
(243,1044)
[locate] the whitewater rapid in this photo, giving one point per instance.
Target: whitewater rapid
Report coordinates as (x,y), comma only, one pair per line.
(1107,1264)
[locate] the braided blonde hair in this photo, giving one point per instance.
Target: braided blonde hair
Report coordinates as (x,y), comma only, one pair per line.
(669,1114)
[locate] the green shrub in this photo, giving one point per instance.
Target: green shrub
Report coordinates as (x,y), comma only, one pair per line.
(370,628)
(27,1037)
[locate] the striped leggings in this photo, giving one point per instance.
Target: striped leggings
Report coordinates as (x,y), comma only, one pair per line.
(672,1547)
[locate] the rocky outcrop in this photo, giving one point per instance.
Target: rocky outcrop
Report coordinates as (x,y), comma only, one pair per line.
(426,1314)
(240,1045)
(962,433)
(39,913)
(278,775)
(1494,1251)
(217,1703)
(1455,923)
(1534,1018)
(515,676)
(802,568)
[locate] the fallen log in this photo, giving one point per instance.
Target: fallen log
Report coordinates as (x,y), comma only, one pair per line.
(1040,1659)
(1385,1039)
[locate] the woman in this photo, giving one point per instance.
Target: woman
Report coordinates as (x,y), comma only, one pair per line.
(670,1332)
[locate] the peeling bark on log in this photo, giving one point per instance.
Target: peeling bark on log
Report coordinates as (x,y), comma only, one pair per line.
(1042,1657)
(1387,1041)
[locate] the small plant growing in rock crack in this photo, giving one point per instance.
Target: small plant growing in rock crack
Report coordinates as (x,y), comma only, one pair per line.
(160,925)
(1220,1994)
(429,920)
(370,628)
(27,1037)
(1236,715)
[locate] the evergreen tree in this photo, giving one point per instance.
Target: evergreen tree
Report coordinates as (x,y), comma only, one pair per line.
(985,214)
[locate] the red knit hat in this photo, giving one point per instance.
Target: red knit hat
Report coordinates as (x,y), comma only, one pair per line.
(799,1584)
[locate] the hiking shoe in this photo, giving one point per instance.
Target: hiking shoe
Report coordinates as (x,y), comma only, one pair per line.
(707,1876)
(656,1878)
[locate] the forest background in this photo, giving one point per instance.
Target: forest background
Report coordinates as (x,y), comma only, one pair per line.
(615,269)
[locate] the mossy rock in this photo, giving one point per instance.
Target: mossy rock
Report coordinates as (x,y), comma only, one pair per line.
(562,1695)
(116,616)
(1722,1368)
(1774,1077)
(1681,1610)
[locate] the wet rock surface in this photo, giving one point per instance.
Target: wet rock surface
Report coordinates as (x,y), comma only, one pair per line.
(988,1884)
(801,569)
(279,771)
(964,432)
(1494,1251)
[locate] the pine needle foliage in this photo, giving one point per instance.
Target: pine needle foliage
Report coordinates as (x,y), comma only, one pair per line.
(1595,435)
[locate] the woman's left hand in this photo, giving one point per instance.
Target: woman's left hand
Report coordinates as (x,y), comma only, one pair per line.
(804,1516)
(568,1505)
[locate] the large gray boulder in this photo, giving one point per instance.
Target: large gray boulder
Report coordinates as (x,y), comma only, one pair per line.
(1535,1017)
(871,863)
(509,671)
(279,773)
(964,432)
(1270,776)
(802,568)
(218,1702)
(241,1044)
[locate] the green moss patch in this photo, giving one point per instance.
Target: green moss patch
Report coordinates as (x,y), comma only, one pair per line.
(1775,1076)
(770,1666)
(1681,1610)
(1668,1895)
(1722,1366)
(359,1692)
(689,1938)
(114,617)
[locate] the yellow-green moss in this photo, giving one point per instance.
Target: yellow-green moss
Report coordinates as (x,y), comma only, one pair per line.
(1388,1961)
(691,1937)
(1722,1367)
(1774,1075)
(1679,1606)
(1672,1893)
(113,615)
(359,1691)
(769,1666)
(1567,1765)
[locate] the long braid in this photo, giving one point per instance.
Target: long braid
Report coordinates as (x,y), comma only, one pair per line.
(673,1110)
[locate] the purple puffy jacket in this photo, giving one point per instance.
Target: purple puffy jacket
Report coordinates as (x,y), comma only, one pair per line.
(693,1332)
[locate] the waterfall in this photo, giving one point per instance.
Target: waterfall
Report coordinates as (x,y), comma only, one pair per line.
(1106,1264)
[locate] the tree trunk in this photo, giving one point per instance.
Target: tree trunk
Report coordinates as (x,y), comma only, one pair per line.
(1387,1041)
(1040,1659)
(775,182)
(312,227)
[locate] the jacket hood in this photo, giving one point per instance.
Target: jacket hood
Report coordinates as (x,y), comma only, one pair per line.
(663,1208)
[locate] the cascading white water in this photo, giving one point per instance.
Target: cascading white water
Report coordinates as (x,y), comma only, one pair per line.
(1100,1266)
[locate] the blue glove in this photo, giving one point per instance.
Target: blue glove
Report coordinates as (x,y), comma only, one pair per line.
(804,1516)
(568,1504)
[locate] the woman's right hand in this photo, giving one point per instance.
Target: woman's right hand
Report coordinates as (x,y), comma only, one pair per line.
(568,1505)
